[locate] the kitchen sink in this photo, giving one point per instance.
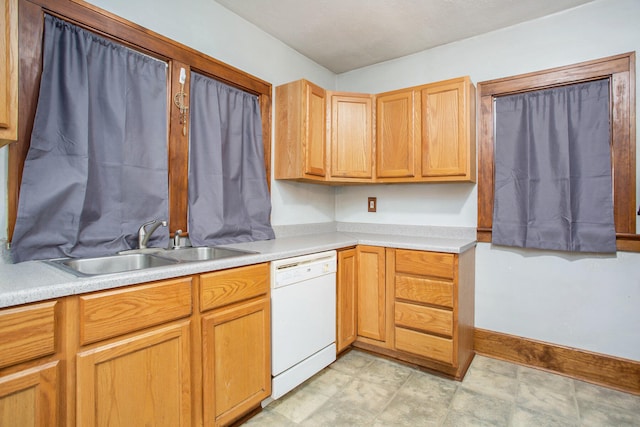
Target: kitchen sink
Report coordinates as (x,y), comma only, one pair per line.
(111,264)
(203,253)
(139,259)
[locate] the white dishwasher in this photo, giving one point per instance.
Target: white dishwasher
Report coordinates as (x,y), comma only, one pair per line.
(303,318)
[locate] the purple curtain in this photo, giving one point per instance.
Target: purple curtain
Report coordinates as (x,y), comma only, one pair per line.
(553,186)
(229,199)
(97,165)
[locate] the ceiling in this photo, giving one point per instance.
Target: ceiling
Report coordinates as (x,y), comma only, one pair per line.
(343,35)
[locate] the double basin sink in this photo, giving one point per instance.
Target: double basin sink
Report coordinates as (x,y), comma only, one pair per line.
(139,259)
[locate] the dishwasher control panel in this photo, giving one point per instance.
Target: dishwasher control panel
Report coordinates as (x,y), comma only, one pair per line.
(293,270)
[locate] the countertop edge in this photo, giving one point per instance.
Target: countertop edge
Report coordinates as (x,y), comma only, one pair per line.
(47,282)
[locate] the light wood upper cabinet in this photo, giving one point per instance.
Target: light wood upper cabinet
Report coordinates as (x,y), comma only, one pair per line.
(346,298)
(418,134)
(397,131)
(300,149)
(9,72)
(349,130)
(447,111)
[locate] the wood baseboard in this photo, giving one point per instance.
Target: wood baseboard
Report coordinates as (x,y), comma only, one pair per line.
(607,371)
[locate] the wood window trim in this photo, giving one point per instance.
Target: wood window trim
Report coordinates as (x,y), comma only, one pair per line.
(620,69)
(30,29)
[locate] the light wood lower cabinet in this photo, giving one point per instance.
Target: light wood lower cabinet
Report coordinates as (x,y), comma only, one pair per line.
(236,341)
(346,298)
(427,316)
(30,388)
(136,368)
(143,379)
(188,351)
(375,298)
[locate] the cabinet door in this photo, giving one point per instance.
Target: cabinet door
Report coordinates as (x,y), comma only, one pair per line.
(9,72)
(371,293)
(346,297)
(300,122)
(447,147)
(396,135)
(144,379)
(236,360)
(351,144)
(314,141)
(28,397)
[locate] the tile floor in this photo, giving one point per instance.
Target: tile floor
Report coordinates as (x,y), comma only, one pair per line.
(360,389)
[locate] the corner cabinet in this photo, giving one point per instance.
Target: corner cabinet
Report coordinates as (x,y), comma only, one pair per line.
(417,134)
(9,72)
(422,311)
(236,342)
(300,147)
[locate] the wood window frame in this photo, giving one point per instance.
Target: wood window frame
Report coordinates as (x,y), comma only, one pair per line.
(620,70)
(30,30)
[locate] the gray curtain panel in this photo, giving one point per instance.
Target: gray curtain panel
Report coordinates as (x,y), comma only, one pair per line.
(228,195)
(97,165)
(553,187)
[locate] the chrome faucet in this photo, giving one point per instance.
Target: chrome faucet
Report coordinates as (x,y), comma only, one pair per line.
(144,234)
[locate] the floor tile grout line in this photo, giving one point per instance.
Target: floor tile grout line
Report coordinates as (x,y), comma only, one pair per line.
(413,371)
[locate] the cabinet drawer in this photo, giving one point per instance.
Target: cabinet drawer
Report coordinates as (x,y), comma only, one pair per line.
(428,291)
(426,319)
(426,345)
(425,263)
(228,286)
(27,333)
(109,314)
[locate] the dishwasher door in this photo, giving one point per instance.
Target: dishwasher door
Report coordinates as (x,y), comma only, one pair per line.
(303,318)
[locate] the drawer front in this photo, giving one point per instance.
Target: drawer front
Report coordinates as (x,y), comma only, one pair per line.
(437,348)
(228,286)
(27,333)
(428,291)
(422,263)
(112,313)
(426,319)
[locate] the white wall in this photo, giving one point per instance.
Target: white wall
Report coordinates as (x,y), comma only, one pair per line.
(586,302)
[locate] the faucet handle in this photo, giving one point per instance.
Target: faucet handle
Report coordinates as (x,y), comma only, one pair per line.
(176,239)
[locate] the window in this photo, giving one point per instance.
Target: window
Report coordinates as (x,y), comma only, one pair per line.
(97,163)
(30,27)
(620,70)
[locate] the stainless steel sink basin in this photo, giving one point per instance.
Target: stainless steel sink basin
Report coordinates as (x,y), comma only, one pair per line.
(202,253)
(111,264)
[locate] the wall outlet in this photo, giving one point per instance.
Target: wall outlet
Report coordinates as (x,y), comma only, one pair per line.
(372,204)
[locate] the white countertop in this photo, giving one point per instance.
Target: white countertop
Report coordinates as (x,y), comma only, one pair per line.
(38,281)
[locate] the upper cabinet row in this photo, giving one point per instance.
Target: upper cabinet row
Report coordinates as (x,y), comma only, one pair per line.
(418,134)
